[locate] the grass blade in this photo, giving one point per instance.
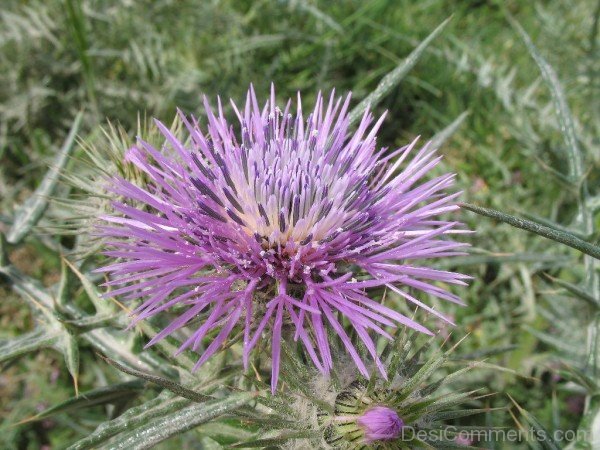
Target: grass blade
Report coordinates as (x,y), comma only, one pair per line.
(77,23)
(392,79)
(443,135)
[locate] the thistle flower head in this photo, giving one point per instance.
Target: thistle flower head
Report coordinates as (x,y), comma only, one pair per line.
(380,423)
(279,220)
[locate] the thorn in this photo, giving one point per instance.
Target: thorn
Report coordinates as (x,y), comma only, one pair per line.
(24,421)
(76,384)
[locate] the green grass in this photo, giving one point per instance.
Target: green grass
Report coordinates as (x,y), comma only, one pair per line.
(117,60)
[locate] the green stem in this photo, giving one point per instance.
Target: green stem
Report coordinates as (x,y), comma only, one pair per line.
(534,227)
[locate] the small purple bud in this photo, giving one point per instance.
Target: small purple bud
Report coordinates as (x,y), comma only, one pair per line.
(380,424)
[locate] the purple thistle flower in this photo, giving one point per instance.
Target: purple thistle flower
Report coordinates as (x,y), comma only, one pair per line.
(275,224)
(380,424)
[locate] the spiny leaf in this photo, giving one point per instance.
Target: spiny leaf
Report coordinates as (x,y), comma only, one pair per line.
(544,437)
(159,406)
(89,323)
(30,342)
(31,211)
(71,352)
(589,423)
(481,365)
(590,384)
(168,345)
(451,415)
(172,386)
(101,396)
(485,353)
(110,343)
(64,286)
(422,374)
(32,291)
(392,79)
(161,428)
(226,433)
(567,126)
(280,439)
(100,304)
(575,290)
(569,348)
(559,236)
(565,117)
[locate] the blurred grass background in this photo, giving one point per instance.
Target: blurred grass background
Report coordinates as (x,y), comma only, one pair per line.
(116,60)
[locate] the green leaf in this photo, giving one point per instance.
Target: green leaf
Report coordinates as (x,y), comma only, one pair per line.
(100,304)
(392,79)
(64,286)
(590,423)
(567,126)
(76,22)
(154,431)
(280,439)
(168,346)
(559,236)
(485,353)
(588,384)
(89,323)
(101,396)
(422,374)
(543,436)
(172,386)
(552,224)
(568,348)
(31,211)
(71,352)
(451,415)
(482,365)
(33,292)
(565,117)
(118,345)
(26,343)
(159,406)
(575,290)
(225,432)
